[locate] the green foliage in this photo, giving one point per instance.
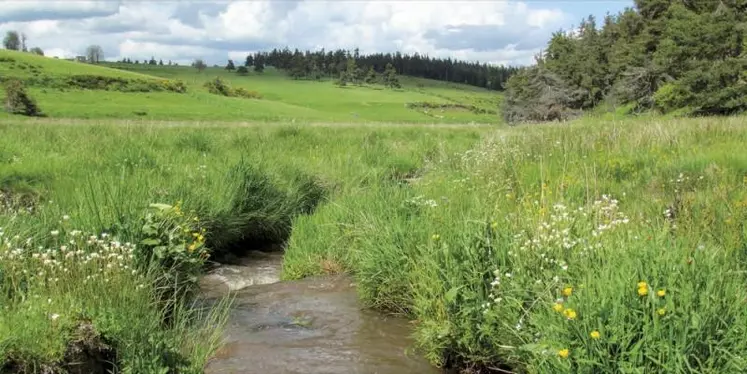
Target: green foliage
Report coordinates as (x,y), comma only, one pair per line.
(537,94)
(198,64)
(173,242)
(12,41)
(669,56)
(390,77)
(219,87)
(230,66)
(371,77)
(242,70)
(18,101)
(508,258)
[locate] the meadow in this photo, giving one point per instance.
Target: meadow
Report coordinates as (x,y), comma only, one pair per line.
(588,247)
(595,246)
(282,99)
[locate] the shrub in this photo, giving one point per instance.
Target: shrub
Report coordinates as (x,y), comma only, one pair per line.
(219,87)
(242,70)
(242,92)
(174,242)
(18,101)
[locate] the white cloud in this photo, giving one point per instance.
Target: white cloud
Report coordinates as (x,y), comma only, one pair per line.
(489,31)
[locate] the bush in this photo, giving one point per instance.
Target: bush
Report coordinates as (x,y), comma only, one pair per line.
(242,70)
(173,242)
(219,87)
(18,101)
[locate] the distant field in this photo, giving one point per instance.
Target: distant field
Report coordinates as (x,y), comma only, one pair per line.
(283,99)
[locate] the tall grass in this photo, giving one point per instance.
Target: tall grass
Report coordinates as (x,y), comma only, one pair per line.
(583,247)
(176,194)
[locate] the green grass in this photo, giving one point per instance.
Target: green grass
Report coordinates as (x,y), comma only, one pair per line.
(479,250)
(283,99)
(245,185)
(608,244)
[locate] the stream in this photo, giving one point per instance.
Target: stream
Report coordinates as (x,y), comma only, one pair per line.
(313,325)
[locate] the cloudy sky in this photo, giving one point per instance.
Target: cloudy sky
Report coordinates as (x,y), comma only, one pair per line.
(501,32)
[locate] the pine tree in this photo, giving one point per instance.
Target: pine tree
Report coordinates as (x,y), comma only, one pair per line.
(371,77)
(230,66)
(390,77)
(259,65)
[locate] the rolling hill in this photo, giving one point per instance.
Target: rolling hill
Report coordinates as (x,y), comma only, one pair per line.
(67,89)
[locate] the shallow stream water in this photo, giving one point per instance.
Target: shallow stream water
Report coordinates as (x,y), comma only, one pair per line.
(314,325)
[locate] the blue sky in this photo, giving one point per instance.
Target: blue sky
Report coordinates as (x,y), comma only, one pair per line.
(500,32)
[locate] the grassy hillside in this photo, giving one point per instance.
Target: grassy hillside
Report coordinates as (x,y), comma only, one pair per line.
(282,99)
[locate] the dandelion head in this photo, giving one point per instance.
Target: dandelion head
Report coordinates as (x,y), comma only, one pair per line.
(661,293)
(661,311)
(595,335)
(564,353)
(570,314)
(557,307)
(642,291)
(568,291)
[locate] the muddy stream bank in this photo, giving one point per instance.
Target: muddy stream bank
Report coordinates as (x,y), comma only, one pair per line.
(313,325)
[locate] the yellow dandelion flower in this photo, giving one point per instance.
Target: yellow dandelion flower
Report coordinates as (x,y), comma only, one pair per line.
(192,247)
(494,224)
(569,313)
(643,291)
(642,284)
(567,291)
(661,293)
(661,311)
(595,335)
(557,307)
(563,353)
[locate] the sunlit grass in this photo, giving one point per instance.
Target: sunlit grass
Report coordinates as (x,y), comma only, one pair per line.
(584,247)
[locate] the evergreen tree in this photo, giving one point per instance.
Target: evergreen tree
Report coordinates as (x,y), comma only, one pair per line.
(390,77)
(249,61)
(663,55)
(351,71)
(152,61)
(371,76)
(259,64)
(160,62)
(230,66)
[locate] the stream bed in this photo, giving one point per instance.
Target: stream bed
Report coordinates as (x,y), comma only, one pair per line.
(313,325)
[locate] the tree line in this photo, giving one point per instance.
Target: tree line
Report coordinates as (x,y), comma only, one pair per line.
(687,57)
(316,64)
(16,41)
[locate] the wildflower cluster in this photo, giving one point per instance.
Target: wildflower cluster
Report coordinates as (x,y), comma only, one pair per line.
(421,201)
(643,291)
(72,256)
(565,229)
(175,241)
